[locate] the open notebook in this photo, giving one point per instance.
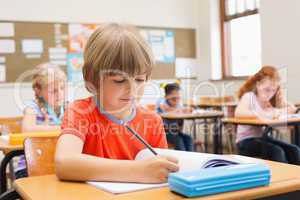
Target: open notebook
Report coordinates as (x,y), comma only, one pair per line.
(289,116)
(188,161)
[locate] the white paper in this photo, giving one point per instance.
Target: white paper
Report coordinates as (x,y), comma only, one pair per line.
(32,46)
(59,62)
(186,67)
(61,56)
(7,30)
(188,161)
(4,138)
(118,188)
(55,50)
(7,46)
(2,73)
(2,59)
(33,56)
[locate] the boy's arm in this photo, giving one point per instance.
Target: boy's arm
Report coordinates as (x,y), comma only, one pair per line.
(71,164)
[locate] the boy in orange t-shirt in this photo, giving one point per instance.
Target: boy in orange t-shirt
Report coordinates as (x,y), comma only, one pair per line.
(94,144)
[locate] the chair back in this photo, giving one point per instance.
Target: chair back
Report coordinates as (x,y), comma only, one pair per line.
(39,154)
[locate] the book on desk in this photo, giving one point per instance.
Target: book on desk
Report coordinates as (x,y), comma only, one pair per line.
(189,162)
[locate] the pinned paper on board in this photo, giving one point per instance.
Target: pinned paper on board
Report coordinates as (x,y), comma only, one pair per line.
(78,36)
(7,30)
(57,50)
(2,73)
(7,46)
(162,43)
(58,55)
(2,59)
(32,46)
(59,62)
(74,65)
(33,56)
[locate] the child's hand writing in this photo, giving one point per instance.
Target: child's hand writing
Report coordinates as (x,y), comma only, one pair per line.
(156,169)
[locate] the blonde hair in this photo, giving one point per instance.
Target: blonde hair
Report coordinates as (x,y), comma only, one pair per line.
(115,47)
(45,73)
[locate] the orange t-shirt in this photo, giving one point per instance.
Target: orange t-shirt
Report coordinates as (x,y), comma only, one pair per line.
(104,138)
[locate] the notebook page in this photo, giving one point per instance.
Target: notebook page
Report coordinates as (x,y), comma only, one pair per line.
(188,161)
(118,188)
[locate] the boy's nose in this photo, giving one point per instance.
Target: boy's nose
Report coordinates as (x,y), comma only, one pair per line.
(132,85)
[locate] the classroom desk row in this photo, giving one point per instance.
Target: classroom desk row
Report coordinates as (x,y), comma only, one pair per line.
(207,117)
(283,186)
(268,126)
(219,122)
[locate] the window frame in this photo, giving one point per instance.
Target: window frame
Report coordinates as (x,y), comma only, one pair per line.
(225,42)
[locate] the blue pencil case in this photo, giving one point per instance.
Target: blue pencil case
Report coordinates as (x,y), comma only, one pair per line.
(219,179)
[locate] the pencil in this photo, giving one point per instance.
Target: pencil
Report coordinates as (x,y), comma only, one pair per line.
(141,139)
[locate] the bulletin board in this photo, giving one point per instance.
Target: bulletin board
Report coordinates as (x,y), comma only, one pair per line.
(23,60)
(39,42)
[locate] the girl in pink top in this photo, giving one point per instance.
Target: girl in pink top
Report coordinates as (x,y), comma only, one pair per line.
(261,97)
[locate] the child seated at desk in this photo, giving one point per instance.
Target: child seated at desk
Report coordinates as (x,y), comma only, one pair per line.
(172,104)
(45,112)
(94,143)
(262,97)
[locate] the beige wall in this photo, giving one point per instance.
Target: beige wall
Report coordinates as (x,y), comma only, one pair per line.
(280,35)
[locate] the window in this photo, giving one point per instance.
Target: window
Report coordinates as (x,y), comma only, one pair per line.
(241,37)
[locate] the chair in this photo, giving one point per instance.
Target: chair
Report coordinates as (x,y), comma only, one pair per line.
(39,153)
(216,103)
(10,125)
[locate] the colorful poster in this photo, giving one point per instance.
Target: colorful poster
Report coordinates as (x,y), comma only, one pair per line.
(74,67)
(78,36)
(162,44)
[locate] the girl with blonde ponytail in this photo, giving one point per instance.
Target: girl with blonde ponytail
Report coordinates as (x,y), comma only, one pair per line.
(45,112)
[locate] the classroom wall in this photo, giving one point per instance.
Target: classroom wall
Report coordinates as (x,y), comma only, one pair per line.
(163,13)
(280,46)
(281,41)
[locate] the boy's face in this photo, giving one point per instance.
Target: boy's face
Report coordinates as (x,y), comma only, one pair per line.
(118,92)
(174,98)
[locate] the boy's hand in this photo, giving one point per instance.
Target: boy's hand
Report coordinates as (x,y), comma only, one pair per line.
(156,169)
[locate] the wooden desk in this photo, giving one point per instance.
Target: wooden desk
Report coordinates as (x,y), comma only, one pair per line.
(214,115)
(268,124)
(6,147)
(49,188)
(217,104)
(227,107)
(17,139)
(192,116)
